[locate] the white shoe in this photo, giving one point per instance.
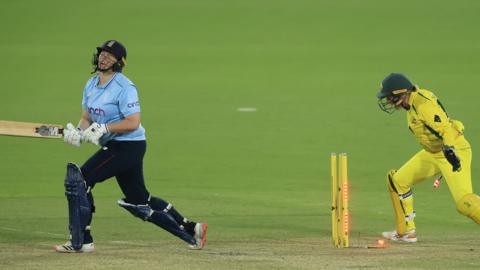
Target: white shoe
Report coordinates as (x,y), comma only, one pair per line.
(68,248)
(200,236)
(409,237)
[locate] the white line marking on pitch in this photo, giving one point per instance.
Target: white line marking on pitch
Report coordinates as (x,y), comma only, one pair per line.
(49,233)
(9,229)
(127,243)
(35,232)
(247,109)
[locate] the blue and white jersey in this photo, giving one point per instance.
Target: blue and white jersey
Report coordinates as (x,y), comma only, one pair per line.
(112,102)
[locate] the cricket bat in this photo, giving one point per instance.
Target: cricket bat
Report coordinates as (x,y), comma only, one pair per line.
(25,129)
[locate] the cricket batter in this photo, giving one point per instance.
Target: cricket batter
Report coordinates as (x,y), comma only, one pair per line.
(445,151)
(111,119)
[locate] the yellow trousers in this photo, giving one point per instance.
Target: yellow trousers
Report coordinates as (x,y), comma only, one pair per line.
(422,166)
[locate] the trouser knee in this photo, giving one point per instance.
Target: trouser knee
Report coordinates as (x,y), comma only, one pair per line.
(390,182)
(469,205)
(393,184)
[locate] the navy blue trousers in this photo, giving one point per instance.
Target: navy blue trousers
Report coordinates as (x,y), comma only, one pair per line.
(124,161)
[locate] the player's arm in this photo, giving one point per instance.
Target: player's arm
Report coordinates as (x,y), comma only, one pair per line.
(437,121)
(129,105)
(85,121)
(95,131)
(128,124)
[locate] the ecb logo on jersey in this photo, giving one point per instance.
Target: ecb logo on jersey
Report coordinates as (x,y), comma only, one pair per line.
(96,111)
(133,104)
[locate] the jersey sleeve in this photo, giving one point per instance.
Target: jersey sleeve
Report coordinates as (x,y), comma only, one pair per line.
(85,97)
(436,120)
(84,101)
(128,101)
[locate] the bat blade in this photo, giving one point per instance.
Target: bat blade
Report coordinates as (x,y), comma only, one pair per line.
(25,129)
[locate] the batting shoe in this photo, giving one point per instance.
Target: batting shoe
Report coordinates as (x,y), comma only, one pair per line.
(200,236)
(408,237)
(68,248)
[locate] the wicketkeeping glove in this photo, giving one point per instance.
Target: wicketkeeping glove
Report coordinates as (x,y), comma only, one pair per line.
(452,158)
(94,132)
(72,135)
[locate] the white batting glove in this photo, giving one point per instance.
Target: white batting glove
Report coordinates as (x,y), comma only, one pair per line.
(72,135)
(94,132)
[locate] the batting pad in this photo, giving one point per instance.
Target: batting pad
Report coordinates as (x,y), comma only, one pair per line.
(78,205)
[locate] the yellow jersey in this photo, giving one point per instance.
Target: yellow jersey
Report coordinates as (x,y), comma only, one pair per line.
(430,124)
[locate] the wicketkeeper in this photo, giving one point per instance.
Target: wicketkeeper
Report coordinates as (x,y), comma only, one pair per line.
(445,151)
(111,119)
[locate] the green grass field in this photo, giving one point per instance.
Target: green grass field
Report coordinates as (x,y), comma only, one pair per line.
(260,179)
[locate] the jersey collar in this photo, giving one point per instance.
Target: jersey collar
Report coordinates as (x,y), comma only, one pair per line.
(106,84)
(413,95)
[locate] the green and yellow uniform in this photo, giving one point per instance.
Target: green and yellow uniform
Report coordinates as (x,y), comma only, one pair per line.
(431,126)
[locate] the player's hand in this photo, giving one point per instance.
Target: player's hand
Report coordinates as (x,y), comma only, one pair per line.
(94,132)
(72,135)
(452,157)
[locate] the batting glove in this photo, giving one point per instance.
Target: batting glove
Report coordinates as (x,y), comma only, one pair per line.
(94,132)
(72,135)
